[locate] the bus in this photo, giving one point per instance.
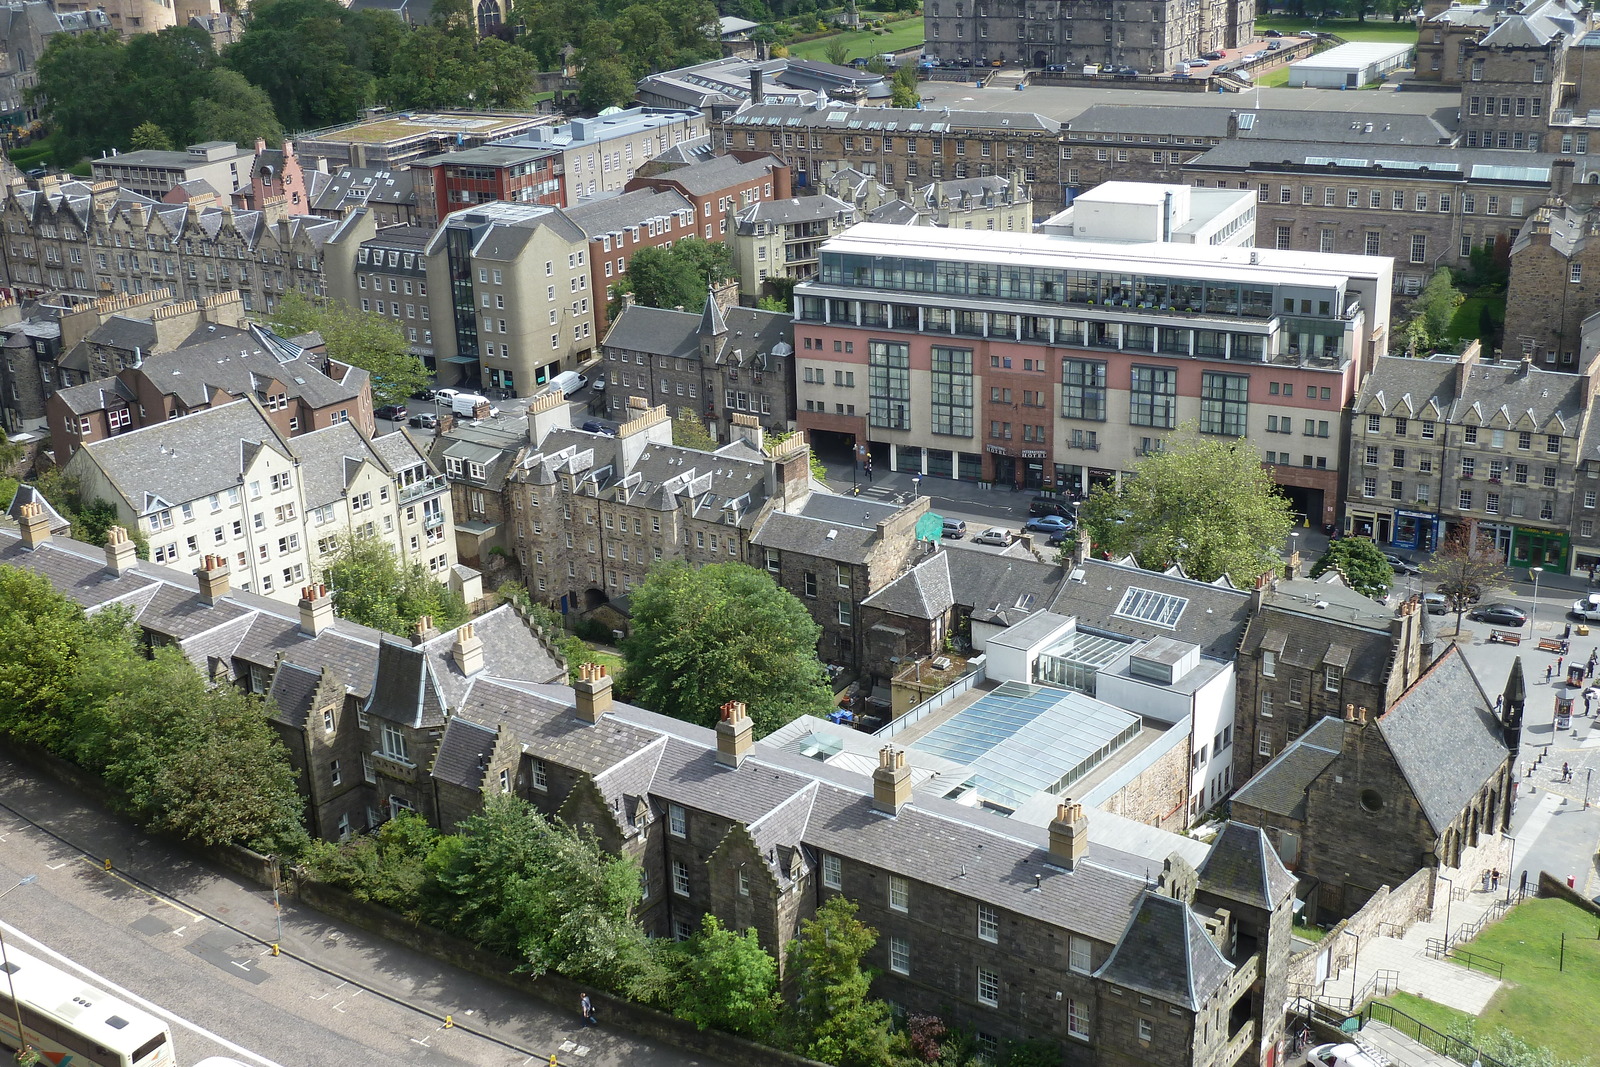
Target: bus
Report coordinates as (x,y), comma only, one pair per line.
(71,1023)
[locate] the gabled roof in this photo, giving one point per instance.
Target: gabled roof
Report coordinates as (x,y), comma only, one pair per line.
(406,691)
(1242,866)
(923,592)
(1280,787)
(1166,953)
(1212,617)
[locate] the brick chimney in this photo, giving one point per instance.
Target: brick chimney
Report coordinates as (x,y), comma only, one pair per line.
(316,610)
(735,734)
(468,650)
(1069,834)
(213,575)
(424,631)
(891,782)
(593,692)
(121,556)
(35,525)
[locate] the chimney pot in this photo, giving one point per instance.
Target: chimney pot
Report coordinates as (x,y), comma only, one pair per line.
(35,525)
(213,575)
(1069,834)
(121,556)
(468,650)
(316,610)
(592,692)
(891,782)
(735,734)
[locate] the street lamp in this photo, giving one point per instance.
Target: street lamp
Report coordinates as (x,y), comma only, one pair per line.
(1534,614)
(1355,961)
(24,1053)
(1294,554)
(916,485)
(1447,902)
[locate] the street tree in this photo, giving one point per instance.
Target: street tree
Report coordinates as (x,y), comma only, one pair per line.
(704,636)
(834,1016)
(1206,503)
(373,586)
(1466,565)
(678,276)
(1360,562)
(905,87)
(359,338)
(147,135)
(729,982)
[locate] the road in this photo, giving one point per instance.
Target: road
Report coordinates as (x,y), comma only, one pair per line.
(194,943)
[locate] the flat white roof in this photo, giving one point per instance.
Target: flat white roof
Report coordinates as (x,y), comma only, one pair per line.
(1265,266)
(1353,55)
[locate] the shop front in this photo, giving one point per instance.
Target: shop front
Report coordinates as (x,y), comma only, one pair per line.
(1416,529)
(1539,548)
(1376,523)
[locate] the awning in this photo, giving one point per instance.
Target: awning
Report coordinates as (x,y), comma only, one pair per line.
(469,360)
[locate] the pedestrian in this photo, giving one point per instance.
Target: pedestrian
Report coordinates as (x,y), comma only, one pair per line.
(1498,700)
(1588,702)
(1558,663)
(588,1012)
(1591,573)
(1566,772)
(1494,879)
(1548,670)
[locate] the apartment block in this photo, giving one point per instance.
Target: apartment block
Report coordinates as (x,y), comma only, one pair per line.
(222,165)
(224,490)
(1436,443)
(1150,37)
(1554,287)
(456,180)
(779,239)
(1046,362)
(720,187)
(384,271)
(387,142)
(600,155)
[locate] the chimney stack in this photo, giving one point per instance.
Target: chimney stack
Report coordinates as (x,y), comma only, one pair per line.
(213,575)
(468,650)
(316,610)
(423,631)
(1069,834)
(891,782)
(35,525)
(121,556)
(593,692)
(735,734)
(758,91)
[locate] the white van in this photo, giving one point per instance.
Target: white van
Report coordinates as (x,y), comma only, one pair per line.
(566,383)
(462,405)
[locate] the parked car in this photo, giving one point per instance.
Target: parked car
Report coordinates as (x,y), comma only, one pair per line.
(596,426)
(424,420)
(1471,594)
(1213,55)
(1125,72)
(1057,68)
(1273,46)
(1401,564)
(1500,615)
(444,396)
(1271,33)
(1435,603)
(995,535)
(954,529)
(1587,609)
(1049,505)
(1059,538)
(1342,1054)
(599,383)
(1196,63)
(1048,524)
(392,412)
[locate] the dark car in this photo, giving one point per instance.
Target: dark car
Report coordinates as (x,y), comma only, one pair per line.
(1401,564)
(1049,505)
(1048,524)
(1272,33)
(596,426)
(1057,68)
(1125,72)
(1061,537)
(392,412)
(1213,55)
(1500,614)
(426,420)
(954,529)
(1450,590)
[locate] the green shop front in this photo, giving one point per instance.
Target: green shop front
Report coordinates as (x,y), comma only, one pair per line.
(1539,548)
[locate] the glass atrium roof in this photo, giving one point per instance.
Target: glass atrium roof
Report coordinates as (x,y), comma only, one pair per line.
(1023,739)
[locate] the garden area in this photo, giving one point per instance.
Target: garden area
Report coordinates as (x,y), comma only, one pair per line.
(863,44)
(1544,1013)
(1383,30)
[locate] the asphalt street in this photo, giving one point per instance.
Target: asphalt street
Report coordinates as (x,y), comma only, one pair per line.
(194,943)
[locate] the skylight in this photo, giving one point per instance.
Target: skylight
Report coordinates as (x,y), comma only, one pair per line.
(1157,609)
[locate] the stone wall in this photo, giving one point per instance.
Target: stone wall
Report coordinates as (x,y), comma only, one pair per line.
(1400,906)
(1550,886)
(559,992)
(1158,795)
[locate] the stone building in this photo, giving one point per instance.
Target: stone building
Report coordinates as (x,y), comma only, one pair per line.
(384,271)
(779,239)
(26,27)
(900,145)
(222,165)
(1437,443)
(1311,648)
(719,365)
(390,195)
(1368,798)
(1150,37)
(1515,78)
(721,187)
(1555,271)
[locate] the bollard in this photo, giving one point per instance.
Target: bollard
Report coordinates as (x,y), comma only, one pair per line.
(553,1060)
(108,863)
(449,1022)
(274,948)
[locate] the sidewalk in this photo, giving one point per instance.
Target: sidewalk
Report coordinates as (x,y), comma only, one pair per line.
(1438,980)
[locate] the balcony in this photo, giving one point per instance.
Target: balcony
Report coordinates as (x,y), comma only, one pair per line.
(394,766)
(432,520)
(426,487)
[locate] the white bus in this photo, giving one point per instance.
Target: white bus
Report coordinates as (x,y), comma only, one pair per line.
(73,1024)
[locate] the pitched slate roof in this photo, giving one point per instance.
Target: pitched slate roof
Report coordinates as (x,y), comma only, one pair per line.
(293,688)
(995,587)
(1166,953)
(1445,738)
(1242,866)
(1307,623)
(456,761)
(1281,786)
(1267,124)
(923,592)
(1214,617)
(656,331)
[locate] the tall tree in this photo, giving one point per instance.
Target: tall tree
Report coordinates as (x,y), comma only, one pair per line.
(729,982)
(359,338)
(79,89)
(373,586)
(1465,566)
(147,135)
(312,58)
(704,636)
(1360,562)
(1206,503)
(678,276)
(836,1019)
(234,110)
(165,73)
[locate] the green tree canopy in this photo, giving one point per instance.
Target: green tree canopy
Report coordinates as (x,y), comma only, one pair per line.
(729,982)
(316,60)
(835,1018)
(1206,503)
(234,110)
(359,338)
(147,135)
(678,276)
(704,636)
(905,87)
(437,68)
(689,431)
(1360,561)
(373,586)
(79,89)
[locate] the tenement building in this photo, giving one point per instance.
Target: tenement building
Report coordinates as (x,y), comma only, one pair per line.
(1438,443)
(1151,37)
(1554,286)
(1044,361)
(1163,950)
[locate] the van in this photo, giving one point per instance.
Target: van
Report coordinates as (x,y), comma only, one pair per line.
(566,383)
(462,405)
(888,57)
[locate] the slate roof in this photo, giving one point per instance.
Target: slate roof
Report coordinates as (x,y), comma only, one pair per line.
(352,187)
(1444,162)
(1445,738)
(923,592)
(1308,623)
(293,688)
(330,458)
(900,120)
(717,173)
(614,214)
(1400,386)
(1268,124)
(27,494)
(1243,866)
(656,331)
(833,541)
(96,396)
(1214,617)
(406,691)
(1280,787)
(993,586)
(1166,953)
(456,761)
(1524,397)
(798,209)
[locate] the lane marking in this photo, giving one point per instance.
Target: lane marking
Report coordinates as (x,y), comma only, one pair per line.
(157,897)
(134,998)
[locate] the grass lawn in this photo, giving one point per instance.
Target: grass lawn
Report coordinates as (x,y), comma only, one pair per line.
(1349,29)
(1438,1016)
(1539,1003)
(611,662)
(1274,79)
(863,44)
(1464,323)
